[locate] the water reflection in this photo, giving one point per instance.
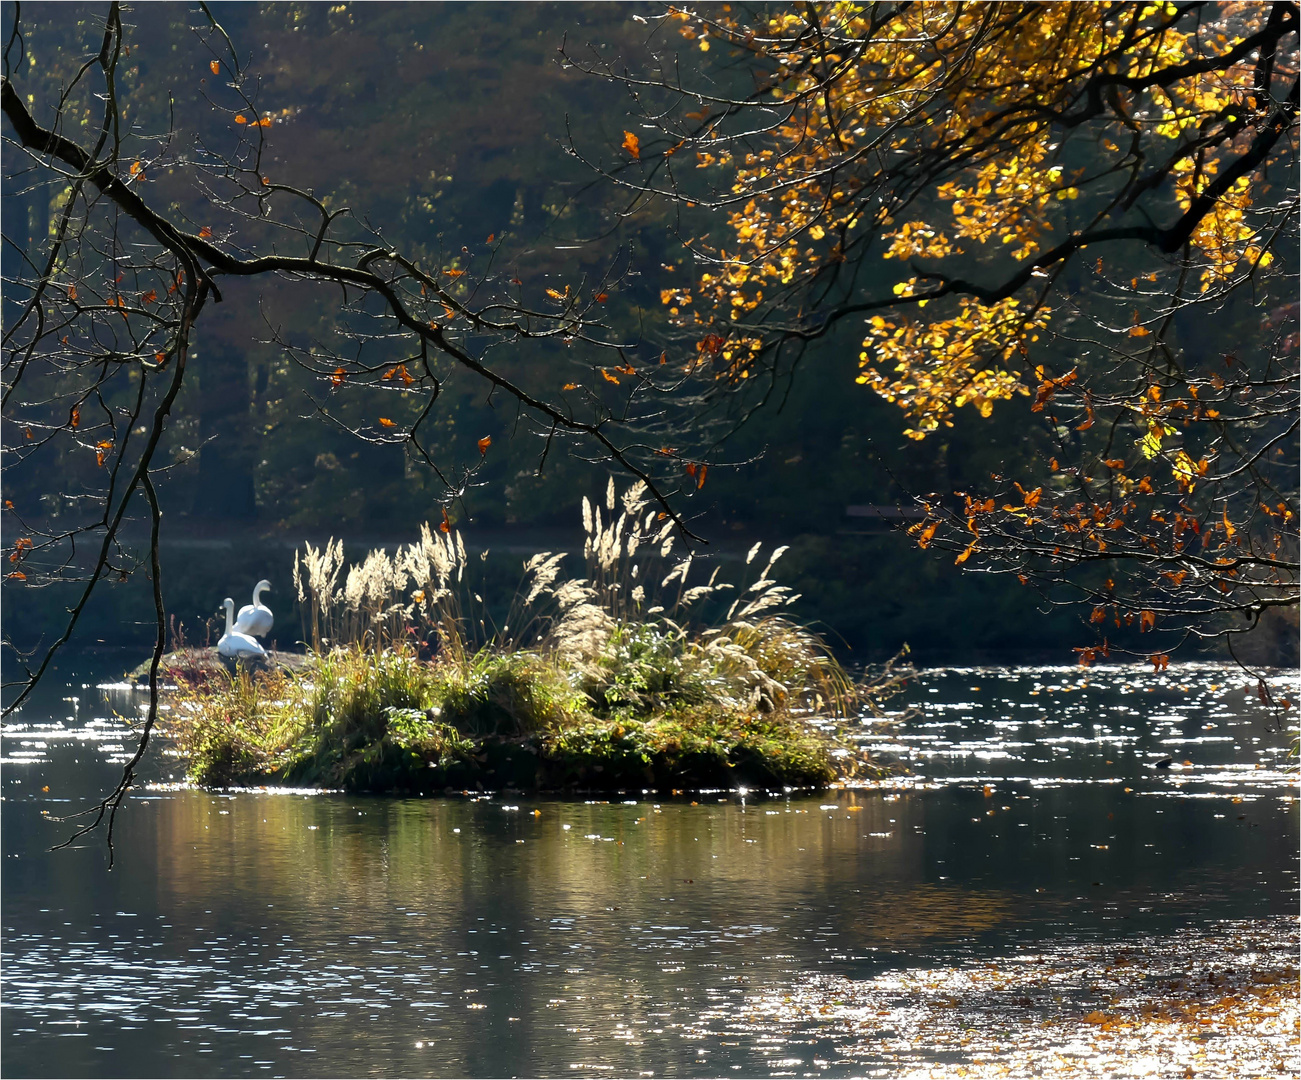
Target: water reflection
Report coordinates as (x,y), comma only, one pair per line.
(301,934)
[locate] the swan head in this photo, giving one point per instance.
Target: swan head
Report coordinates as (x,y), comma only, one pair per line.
(228,604)
(262,586)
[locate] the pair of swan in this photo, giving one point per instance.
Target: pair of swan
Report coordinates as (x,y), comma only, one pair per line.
(255,619)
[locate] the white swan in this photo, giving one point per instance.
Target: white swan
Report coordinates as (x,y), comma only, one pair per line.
(255,618)
(234,644)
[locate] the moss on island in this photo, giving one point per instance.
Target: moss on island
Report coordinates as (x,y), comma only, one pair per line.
(392,723)
(608,683)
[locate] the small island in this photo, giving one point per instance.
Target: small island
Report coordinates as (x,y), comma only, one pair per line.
(618,680)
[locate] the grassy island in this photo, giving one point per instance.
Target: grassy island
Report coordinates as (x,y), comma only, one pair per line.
(615,681)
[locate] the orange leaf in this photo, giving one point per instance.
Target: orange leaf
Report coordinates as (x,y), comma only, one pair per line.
(484,443)
(445,525)
(28,434)
(150,297)
(627,369)
(338,376)
(1114,463)
(1159,662)
(664,358)
(601,297)
(1139,331)
(214,66)
(240,118)
(632,144)
(18,574)
(72,292)
(265,122)
(75,418)
(927,535)
(710,345)
(453,272)
(608,377)
(571,386)
(449,312)
(966,554)
(386,421)
(266,181)
(491,237)
(700,477)
(1031,497)
(1146,620)
(691,468)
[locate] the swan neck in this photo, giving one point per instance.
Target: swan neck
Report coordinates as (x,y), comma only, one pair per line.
(257,593)
(230,616)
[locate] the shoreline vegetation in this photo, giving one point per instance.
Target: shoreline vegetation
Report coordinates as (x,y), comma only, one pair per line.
(635,676)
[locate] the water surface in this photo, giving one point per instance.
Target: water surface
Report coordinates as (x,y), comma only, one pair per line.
(1033,865)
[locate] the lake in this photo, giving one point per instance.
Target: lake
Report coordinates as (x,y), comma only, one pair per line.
(1035,896)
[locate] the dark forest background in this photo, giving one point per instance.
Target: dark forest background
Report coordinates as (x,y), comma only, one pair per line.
(443,124)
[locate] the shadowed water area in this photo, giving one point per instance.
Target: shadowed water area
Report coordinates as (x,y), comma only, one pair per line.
(1035,897)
